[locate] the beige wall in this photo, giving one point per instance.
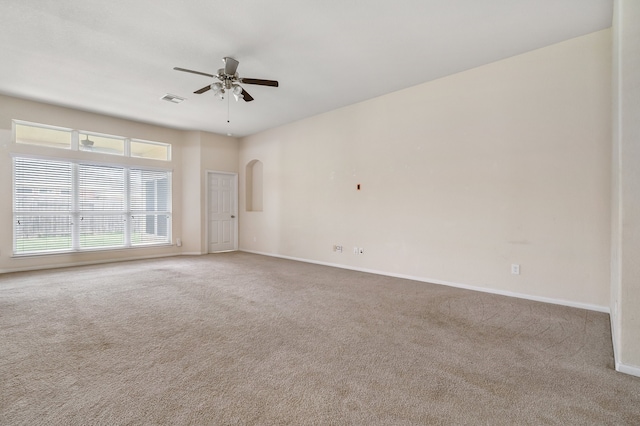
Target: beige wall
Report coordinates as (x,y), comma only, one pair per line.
(203,152)
(625,286)
(192,154)
(461,177)
(191,194)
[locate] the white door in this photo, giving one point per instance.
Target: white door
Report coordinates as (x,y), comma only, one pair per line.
(222,226)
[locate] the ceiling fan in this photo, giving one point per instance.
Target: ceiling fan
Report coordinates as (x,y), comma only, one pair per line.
(228,80)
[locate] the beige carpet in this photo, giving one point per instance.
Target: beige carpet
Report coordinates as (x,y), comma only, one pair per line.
(245,339)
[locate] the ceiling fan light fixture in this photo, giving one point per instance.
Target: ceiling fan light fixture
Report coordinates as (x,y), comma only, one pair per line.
(217,88)
(237,92)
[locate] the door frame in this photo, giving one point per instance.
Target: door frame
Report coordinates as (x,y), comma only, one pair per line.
(235,208)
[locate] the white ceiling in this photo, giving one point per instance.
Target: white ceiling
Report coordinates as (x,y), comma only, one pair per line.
(116,57)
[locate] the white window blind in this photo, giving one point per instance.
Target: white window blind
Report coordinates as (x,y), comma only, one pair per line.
(62,206)
(150,203)
(101,205)
(42,206)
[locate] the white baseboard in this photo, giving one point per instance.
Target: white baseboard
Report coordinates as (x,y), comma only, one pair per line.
(569,303)
(628,369)
(614,338)
(84,263)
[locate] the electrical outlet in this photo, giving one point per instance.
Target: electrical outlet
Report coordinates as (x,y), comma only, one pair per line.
(337,248)
(361,250)
(355,250)
(515,269)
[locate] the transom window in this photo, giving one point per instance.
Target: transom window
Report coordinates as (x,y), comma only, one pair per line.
(80,140)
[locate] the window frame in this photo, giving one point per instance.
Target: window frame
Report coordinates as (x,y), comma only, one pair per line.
(76,145)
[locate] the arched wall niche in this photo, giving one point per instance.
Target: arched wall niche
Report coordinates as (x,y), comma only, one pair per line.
(254,186)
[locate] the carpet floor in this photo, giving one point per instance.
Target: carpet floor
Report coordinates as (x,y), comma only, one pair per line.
(242,339)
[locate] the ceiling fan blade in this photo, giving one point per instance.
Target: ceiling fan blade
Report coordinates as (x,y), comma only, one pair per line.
(260,82)
(230,65)
(193,72)
(204,89)
(246,96)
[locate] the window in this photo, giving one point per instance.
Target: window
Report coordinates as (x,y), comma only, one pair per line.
(64,206)
(32,134)
(42,211)
(102,144)
(152,150)
(80,140)
(149,195)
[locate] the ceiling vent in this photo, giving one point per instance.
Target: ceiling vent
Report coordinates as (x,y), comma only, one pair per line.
(172,98)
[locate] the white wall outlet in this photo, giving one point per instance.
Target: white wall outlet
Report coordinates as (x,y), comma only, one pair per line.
(178,242)
(355,250)
(361,250)
(515,269)
(337,248)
